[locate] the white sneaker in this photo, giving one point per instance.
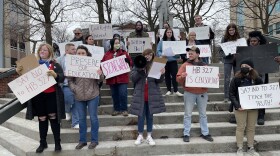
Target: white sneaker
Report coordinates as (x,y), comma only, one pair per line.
(150,141)
(240,152)
(76,126)
(178,93)
(139,140)
(251,151)
(68,116)
(168,93)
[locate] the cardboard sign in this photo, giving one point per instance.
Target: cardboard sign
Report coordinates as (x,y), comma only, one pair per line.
(205,50)
(230,47)
(28,63)
(152,36)
(178,47)
(31,83)
(115,67)
(202,76)
(82,66)
(259,96)
(202,33)
(262,57)
(95,50)
(157,65)
(175,31)
(101,31)
(62,46)
(138,45)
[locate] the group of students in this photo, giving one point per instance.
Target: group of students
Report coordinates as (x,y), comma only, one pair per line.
(82,94)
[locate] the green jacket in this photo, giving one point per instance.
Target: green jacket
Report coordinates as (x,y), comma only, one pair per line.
(134,35)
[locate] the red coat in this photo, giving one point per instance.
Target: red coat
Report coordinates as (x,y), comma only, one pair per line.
(123,78)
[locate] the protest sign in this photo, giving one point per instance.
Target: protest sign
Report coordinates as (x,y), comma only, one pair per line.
(115,67)
(175,31)
(202,33)
(205,50)
(95,50)
(28,63)
(31,83)
(152,36)
(178,47)
(82,66)
(202,76)
(62,46)
(230,47)
(259,96)
(101,31)
(138,45)
(157,65)
(262,57)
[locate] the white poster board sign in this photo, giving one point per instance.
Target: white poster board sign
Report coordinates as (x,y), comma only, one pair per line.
(82,66)
(138,45)
(202,76)
(152,36)
(230,47)
(158,64)
(115,67)
(205,50)
(202,33)
(62,46)
(178,47)
(259,96)
(31,83)
(175,31)
(101,31)
(95,50)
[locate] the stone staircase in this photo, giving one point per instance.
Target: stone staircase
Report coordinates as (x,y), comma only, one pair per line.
(117,134)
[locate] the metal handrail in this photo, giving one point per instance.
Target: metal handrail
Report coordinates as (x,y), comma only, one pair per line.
(7,73)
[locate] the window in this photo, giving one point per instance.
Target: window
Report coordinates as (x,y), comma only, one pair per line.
(276,8)
(270,30)
(277,28)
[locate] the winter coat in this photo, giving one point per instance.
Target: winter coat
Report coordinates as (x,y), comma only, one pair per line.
(155,99)
(135,35)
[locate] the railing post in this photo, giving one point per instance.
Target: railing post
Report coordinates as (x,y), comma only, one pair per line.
(2,34)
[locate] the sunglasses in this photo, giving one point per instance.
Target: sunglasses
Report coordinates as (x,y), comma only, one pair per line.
(77,33)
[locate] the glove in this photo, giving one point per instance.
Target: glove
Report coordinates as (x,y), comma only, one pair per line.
(127,61)
(51,73)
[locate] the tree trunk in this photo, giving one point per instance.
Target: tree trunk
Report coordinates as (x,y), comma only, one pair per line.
(100,11)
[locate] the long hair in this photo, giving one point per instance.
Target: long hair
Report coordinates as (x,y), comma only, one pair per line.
(112,42)
(84,48)
(229,37)
(253,74)
(50,49)
(87,38)
(147,52)
(165,36)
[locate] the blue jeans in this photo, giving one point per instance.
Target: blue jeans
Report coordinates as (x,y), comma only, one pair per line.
(149,119)
(93,112)
(201,101)
(119,95)
(228,67)
(70,105)
(205,60)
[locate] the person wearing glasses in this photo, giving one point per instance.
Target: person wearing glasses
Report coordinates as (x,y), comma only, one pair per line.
(78,35)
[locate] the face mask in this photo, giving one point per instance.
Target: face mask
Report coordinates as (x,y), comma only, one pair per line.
(245,70)
(117,46)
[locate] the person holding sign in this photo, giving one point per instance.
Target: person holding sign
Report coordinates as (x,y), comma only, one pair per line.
(192,96)
(89,40)
(118,84)
(171,67)
(147,99)
(49,104)
(246,119)
(191,41)
(107,45)
(78,35)
(86,93)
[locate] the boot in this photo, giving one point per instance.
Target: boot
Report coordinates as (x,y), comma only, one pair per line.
(43,130)
(56,133)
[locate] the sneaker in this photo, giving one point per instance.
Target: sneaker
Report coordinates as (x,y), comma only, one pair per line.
(150,141)
(92,145)
(68,116)
(139,140)
(76,126)
(80,145)
(115,113)
(186,138)
(251,151)
(178,93)
(207,137)
(240,152)
(168,93)
(226,100)
(125,113)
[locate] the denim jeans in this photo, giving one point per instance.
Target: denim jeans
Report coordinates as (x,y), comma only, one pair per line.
(93,112)
(149,119)
(119,95)
(70,105)
(200,100)
(228,67)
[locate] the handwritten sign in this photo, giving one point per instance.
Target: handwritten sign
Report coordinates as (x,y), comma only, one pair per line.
(205,50)
(202,76)
(178,47)
(259,96)
(158,64)
(202,33)
(138,45)
(31,83)
(101,31)
(82,66)
(230,47)
(175,31)
(152,36)
(62,46)
(95,49)
(115,67)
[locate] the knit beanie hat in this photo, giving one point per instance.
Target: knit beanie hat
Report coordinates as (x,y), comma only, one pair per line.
(247,61)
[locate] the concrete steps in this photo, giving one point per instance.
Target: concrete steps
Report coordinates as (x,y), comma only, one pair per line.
(5,152)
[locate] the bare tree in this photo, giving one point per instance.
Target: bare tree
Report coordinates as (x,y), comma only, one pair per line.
(60,33)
